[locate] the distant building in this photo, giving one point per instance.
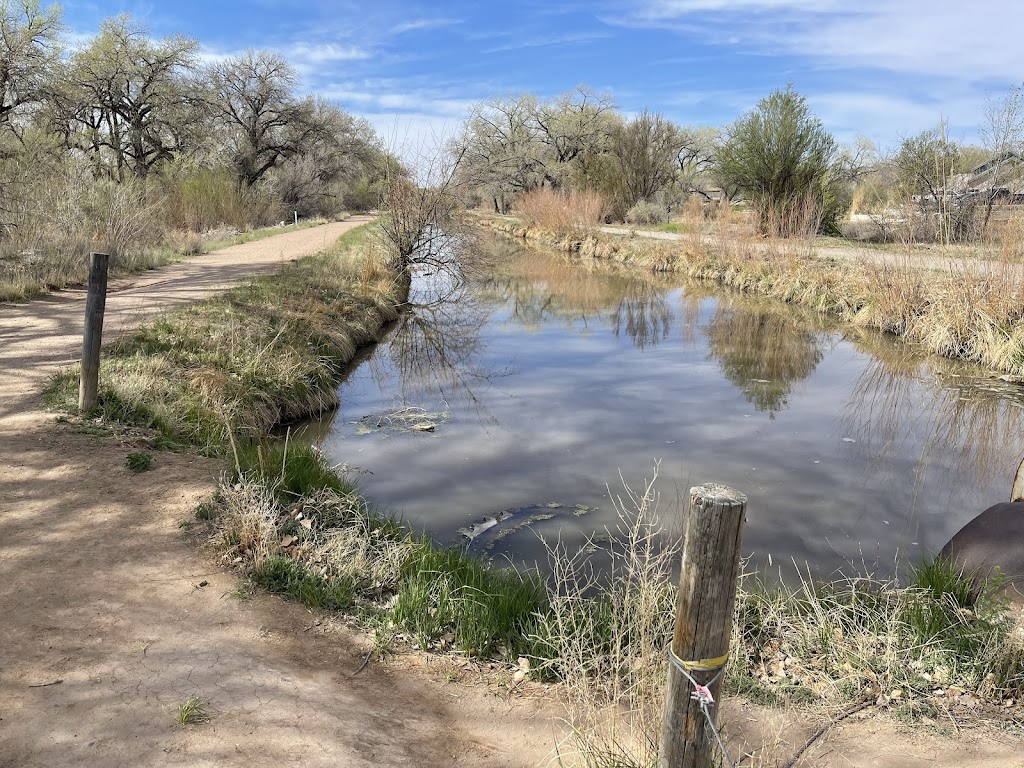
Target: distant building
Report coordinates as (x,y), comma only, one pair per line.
(1000,179)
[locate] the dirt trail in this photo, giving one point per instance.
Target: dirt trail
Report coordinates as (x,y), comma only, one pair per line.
(102,591)
(99,589)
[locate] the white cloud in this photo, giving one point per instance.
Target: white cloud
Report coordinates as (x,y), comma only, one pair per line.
(976,41)
(421,24)
(325,53)
(397,102)
(554,40)
(886,118)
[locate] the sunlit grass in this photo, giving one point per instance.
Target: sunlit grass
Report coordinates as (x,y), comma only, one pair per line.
(263,353)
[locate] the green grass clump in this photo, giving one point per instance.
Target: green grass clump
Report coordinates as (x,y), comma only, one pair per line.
(485,608)
(282,575)
(294,471)
(192,711)
(138,461)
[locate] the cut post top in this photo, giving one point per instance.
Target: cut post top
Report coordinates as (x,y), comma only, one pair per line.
(718,494)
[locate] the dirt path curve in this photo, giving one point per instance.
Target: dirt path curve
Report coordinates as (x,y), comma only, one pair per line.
(101,590)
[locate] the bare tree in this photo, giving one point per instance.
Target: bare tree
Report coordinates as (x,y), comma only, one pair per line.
(29,50)
(500,151)
(696,159)
(128,102)
(647,149)
(263,123)
(1003,137)
(345,150)
(575,128)
(419,218)
(925,165)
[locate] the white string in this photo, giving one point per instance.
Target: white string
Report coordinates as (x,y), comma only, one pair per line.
(702,695)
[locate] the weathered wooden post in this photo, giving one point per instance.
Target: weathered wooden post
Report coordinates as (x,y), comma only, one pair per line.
(704,608)
(94,307)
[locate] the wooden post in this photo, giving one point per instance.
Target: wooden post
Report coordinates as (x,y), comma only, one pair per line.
(94,306)
(704,608)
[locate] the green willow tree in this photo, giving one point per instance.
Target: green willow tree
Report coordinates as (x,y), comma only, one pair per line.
(782,160)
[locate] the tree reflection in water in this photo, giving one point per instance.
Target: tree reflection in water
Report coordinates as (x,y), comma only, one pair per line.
(763,350)
(436,346)
(543,288)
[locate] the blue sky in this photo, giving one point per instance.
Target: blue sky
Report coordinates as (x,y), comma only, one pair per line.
(881,68)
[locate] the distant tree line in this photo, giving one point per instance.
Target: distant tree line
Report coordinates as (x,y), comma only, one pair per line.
(777,159)
(230,141)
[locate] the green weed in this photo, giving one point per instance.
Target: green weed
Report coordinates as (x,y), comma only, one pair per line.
(138,461)
(282,575)
(485,608)
(192,711)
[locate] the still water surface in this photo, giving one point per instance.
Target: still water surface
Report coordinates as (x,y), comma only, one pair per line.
(548,380)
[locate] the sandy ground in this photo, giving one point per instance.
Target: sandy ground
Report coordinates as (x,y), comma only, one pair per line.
(111,615)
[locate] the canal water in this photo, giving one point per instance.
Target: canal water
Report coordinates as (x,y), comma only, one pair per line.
(510,412)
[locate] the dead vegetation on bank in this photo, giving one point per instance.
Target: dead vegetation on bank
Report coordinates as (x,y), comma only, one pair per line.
(970,310)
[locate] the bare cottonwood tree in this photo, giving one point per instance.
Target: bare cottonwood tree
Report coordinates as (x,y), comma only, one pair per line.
(647,149)
(128,102)
(262,122)
(29,49)
(500,150)
(343,151)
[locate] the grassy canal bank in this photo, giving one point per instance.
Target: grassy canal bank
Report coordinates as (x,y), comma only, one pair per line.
(969,310)
(218,376)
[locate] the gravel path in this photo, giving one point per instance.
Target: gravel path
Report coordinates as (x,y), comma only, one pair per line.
(849,253)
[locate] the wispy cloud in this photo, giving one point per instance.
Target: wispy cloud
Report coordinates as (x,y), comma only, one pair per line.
(575,38)
(423,24)
(949,38)
(326,53)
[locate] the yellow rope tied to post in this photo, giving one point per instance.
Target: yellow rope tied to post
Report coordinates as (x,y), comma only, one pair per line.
(702,665)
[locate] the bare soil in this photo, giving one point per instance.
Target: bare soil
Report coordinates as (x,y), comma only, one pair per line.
(111,615)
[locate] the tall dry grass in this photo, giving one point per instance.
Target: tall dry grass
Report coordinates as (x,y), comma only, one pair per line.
(962,307)
(605,633)
(265,352)
(62,215)
(55,212)
(562,212)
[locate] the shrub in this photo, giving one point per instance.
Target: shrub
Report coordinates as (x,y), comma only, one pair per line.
(782,159)
(647,213)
